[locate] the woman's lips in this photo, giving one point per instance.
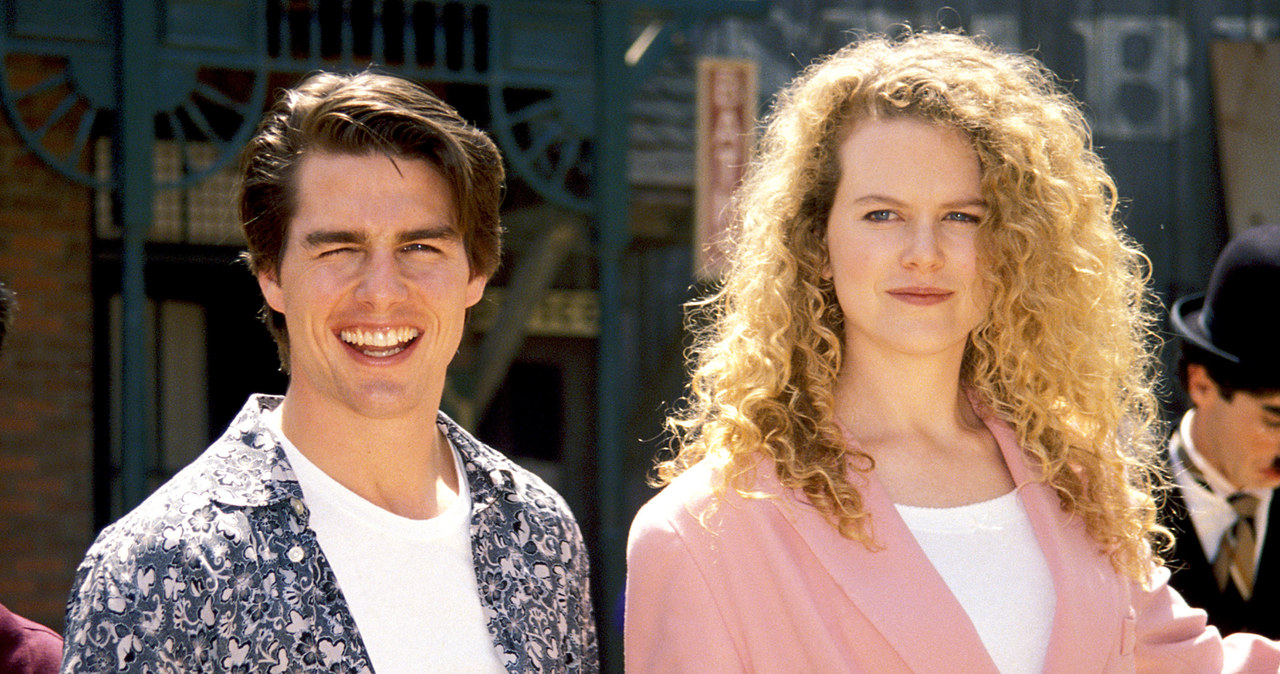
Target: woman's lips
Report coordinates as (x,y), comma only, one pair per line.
(921,295)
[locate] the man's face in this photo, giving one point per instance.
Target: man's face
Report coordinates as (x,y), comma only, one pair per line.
(1240,436)
(374,283)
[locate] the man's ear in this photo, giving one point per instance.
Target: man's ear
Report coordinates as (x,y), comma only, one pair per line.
(1201,388)
(269,282)
(475,289)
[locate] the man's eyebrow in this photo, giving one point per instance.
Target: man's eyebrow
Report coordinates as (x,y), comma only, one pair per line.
(437,232)
(331,236)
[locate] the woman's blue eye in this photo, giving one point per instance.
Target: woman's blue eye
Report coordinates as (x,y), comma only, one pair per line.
(963,217)
(880,216)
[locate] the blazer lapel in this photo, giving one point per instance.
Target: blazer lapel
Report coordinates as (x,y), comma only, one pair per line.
(1082,578)
(900,592)
(894,586)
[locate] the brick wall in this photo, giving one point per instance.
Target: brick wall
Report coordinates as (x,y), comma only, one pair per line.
(46,393)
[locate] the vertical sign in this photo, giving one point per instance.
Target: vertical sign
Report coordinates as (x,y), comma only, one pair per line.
(726,121)
(1246,98)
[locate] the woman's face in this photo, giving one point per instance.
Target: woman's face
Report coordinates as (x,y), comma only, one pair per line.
(902,238)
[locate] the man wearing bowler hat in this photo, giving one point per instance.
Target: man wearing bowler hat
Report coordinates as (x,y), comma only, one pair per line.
(1225,452)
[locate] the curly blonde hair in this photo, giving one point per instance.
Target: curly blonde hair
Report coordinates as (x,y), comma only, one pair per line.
(1065,355)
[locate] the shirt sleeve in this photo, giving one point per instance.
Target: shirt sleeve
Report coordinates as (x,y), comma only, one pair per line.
(1171,636)
(26,646)
(109,619)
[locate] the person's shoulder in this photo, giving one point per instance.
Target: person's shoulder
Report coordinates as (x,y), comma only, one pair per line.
(706,497)
(181,516)
(26,645)
(692,490)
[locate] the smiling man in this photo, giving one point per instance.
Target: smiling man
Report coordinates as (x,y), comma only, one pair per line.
(350,525)
(1225,453)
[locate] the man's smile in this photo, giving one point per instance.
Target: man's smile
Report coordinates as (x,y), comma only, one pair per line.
(381,342)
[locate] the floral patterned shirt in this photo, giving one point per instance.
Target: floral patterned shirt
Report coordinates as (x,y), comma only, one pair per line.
(218,571)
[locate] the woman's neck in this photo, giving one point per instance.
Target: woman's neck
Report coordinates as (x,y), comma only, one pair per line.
(886,395)
(914,418)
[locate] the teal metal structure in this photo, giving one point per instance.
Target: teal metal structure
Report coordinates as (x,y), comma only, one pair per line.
(134,51)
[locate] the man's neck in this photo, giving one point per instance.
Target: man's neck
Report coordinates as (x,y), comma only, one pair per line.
(403,465)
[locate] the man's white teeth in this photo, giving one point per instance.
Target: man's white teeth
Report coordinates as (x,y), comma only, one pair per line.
(379,339)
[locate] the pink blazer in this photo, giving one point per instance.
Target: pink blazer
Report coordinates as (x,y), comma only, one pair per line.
(775,588)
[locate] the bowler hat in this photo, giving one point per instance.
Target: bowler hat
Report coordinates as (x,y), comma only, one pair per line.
(1238,319)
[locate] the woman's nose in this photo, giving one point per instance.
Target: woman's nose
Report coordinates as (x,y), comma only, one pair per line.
(923,247)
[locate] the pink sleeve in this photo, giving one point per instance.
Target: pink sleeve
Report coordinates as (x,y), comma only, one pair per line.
(672,621)
(1174,637)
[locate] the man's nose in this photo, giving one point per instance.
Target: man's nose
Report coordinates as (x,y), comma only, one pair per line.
(382,281)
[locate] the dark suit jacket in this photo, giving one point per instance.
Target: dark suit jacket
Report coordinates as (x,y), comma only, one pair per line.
(1193,574)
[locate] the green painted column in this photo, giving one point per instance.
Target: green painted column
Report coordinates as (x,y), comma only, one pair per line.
(612,202)
(615,85)
(135,59)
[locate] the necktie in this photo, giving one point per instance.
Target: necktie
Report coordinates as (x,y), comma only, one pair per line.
(1236,550)
(1238,544)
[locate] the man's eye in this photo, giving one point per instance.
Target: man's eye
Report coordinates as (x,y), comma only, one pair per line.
(420,248)
(332,252)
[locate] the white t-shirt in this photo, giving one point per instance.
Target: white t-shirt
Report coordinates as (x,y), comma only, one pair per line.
(410,584)
(990,559)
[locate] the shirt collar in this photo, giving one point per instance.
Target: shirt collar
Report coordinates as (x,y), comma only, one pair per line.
(247,466)
(488,473)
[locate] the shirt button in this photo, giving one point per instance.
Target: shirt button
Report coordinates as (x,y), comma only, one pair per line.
(298,506)
(296,554)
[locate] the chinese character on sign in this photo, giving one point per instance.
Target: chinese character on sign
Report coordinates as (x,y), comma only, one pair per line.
(726,118)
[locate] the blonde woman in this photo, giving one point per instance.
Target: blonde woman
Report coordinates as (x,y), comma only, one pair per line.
(921,433)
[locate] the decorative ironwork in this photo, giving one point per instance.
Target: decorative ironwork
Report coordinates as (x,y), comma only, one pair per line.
(534,59)
(209,85)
